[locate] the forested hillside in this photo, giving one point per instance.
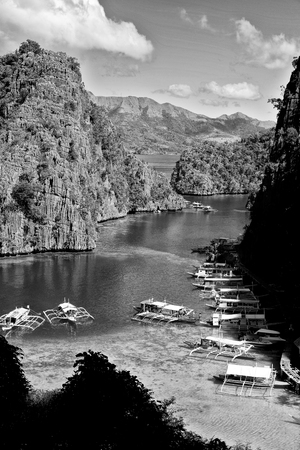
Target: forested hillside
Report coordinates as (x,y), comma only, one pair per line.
(63,165)
(227,168)
(148,127)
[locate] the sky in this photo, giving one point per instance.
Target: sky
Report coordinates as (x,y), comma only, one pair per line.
(211,57)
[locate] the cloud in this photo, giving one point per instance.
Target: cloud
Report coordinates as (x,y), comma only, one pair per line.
(177,90)
(273,53)
(242,90)
(209,102)
(184,16)
(80,24)
(202,22)
(180,90)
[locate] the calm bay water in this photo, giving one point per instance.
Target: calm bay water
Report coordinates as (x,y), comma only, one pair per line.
(138,257)
(161,163)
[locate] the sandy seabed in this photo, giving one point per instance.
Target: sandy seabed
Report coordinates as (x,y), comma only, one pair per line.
(157,357)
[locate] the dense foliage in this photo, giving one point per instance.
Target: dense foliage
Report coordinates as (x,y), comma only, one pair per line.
(227,168)
(271,243)
(99,407)
(63,165)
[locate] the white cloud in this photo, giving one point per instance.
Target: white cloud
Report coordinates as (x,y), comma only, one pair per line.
(273,53)
(180,90)
(209,102)
(242,90)
(203,22)
(80,24)
(184,16)
(176,90)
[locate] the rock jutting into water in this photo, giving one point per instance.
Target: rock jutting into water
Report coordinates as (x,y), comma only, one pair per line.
(63,166)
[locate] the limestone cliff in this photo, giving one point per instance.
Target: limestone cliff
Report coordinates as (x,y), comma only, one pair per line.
(271,243)
(63,167)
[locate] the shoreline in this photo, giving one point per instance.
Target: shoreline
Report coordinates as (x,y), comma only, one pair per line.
(156,356)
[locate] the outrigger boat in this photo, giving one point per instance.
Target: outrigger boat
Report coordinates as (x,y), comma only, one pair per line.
(244,379)
(263,336)
(197,205)
(218,272)
(244,319)
(213,283)
(233,303)
(160,311)
(218,346)
(66,313)
(20,320)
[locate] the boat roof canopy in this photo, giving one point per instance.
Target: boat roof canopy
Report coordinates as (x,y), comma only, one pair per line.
(66,306)
(174,307)
(249,371)
(224,341)
(17,312)
(266,331)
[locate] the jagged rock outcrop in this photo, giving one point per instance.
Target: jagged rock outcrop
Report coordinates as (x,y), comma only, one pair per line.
(63,166)
(271,243)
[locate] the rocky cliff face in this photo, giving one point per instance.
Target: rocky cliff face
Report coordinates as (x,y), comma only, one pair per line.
(63,166)
(271,243)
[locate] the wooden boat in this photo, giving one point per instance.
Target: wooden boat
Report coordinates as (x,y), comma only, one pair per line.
(218,272)
(66,313)
(219,346)
(245,319)
(208,208)
(265,335)
(247,378)
(20,320)
(160,311)
(223,304)
(213,283)
(197,205)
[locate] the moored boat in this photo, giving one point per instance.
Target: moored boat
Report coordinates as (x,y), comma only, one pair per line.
(219,346)
(265,335)
(67,313)
(21,320)
(213,283)
(160,311)
(220,303)
(246,379)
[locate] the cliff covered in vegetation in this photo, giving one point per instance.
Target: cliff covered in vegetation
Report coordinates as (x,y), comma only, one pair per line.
(271,242)
(63,166)
(227,168)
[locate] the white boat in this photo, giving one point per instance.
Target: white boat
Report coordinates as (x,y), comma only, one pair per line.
(218,272)
(222,304)
(197,205)
(219,346)
(245,379)
(160,311)
(264,334)
(207,208)
(20,320)
(213,283)
(249,319)
(66,313)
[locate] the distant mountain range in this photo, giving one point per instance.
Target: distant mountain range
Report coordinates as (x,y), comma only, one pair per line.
(150,127)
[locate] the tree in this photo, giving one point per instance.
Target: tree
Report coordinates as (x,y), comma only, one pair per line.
(14,391)
(30,46)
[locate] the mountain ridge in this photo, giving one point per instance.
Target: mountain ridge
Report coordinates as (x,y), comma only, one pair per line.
(150,127)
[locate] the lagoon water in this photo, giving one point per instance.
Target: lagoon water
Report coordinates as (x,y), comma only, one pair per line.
(137,257)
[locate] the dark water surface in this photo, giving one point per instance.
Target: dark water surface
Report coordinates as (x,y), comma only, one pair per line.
(138,257)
